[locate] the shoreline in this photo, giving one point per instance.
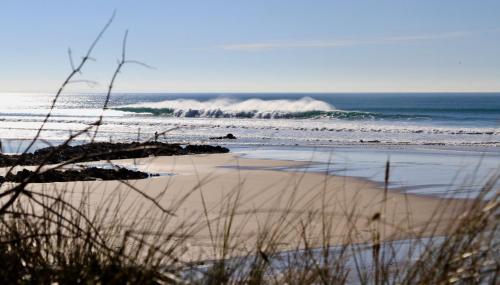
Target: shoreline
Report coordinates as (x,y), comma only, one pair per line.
(13,145)
(430,172)
(379,186)
(367,162)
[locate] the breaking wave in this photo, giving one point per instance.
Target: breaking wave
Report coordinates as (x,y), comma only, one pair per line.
(304,108)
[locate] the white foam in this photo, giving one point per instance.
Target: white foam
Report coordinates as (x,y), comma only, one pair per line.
(257,107)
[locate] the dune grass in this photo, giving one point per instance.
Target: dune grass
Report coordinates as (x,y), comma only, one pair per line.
(46,237)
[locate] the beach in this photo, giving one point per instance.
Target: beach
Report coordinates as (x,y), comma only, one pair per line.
(202,193)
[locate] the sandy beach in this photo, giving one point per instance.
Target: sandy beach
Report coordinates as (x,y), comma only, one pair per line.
(211,197)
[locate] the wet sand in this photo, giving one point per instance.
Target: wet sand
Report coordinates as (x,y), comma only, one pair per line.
(209,196)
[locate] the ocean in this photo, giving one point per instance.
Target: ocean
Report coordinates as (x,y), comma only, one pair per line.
(438,144)
(452,119)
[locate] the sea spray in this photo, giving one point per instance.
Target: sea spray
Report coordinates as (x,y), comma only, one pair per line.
(228,108)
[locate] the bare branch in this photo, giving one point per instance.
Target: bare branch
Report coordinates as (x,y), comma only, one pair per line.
(90,83)
(70,56)
(121,63)
(124,45)
(70,77)
(140,63)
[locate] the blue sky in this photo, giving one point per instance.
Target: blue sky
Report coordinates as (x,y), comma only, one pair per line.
(257,45)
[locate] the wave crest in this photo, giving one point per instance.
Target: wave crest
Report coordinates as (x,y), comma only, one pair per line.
(304,108)
(229,108)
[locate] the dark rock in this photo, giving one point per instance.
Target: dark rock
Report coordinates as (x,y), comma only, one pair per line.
(87,174)
(226,137)
(372,141)
(198,149)
(103,151)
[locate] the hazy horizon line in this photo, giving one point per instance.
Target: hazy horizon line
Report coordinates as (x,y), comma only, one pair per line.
(254,92)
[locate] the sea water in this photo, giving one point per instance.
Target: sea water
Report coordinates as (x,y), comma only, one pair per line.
(430,137)
(290,119)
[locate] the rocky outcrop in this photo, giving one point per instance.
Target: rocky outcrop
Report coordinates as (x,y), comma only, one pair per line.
(104,151)
(87,174)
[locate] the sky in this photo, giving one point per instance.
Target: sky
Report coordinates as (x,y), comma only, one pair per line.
(254,46)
